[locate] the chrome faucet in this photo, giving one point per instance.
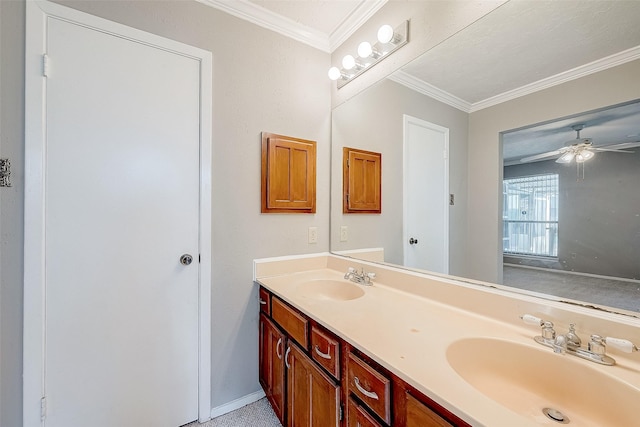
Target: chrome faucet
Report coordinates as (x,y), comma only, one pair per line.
(570,343)
(362,277)
(570,340)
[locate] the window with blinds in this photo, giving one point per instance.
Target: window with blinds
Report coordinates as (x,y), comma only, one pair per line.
(530,215)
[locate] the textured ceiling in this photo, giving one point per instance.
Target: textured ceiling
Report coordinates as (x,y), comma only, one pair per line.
(525,41)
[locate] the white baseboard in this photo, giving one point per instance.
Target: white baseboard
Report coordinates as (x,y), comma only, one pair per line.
(237,404)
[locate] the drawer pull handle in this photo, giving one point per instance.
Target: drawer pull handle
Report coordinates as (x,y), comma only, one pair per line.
(262,302)
(278,348)
(326,355)
(371,394)
(286,356)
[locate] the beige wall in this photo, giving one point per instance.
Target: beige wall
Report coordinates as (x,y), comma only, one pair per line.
(373,121)
(595,91)
(262,81)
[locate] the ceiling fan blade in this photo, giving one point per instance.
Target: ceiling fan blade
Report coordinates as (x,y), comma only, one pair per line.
(620,146)
(613,150)
(540,156)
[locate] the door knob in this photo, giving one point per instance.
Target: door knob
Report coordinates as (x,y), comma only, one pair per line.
(186,259)
(413,241)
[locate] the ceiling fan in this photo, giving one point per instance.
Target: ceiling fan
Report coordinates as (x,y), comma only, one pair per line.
(580,149)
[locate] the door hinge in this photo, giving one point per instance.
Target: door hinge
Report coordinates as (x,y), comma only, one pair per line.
(5,173)
(198,258)
(347,197)
(341,412)
(43,408)
(445,154)
(347,162)
(45,65)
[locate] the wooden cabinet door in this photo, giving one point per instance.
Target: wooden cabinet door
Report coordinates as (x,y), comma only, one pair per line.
(313,398)
(419,415)
(288,174)
(357,416)
(271,368)
(361,181)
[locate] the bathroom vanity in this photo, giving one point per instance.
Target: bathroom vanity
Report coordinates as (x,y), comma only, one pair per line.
(328,380)
(409,349)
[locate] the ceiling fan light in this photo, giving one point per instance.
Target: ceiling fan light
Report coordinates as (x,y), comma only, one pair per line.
(584,155)
(566,157)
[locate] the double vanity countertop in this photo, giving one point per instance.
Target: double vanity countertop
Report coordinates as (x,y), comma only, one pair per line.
(420,339)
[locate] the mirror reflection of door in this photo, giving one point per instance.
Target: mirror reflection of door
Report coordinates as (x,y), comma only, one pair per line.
(426,195)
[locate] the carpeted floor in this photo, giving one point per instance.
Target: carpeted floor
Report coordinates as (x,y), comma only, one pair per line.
(609,292)
(257,414)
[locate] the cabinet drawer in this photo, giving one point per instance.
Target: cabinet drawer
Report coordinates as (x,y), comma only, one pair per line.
(294,323)
(325,349)
(370,386)
(357,416)
(265,302)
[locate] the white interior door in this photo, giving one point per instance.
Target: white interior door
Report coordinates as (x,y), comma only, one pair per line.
(121,190)
(426,193)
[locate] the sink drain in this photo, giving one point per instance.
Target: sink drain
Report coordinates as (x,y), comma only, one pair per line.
(555,415)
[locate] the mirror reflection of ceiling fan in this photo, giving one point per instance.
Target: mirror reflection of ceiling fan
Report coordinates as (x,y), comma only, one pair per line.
(580,149)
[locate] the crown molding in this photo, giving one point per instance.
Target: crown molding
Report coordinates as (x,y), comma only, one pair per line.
(431,91)
(360,15)
(262,17)
(265,18)
(566,76)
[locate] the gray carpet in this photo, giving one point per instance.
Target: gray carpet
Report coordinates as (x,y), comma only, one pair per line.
(609,292)
(257,414)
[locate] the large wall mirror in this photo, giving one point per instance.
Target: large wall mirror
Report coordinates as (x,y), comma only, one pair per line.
(567,230)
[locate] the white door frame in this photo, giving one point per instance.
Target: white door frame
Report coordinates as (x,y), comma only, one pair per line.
(407,120)
(38,13)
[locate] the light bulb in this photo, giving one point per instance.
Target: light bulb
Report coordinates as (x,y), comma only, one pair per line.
(566,157)
(385,34)
(584,155)
(334,73)
(348,62)
(364,50)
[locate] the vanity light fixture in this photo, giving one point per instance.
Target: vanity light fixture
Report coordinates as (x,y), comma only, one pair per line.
(386,34)
(389,40)
(348,62)
(365,50)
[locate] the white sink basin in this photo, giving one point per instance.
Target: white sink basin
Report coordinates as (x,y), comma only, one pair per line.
(526,380)
(337,290)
